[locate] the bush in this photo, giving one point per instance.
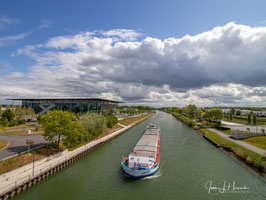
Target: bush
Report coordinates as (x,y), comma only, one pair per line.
(94,124)
(13,123)
(22,121)
(111,121)
(261,167)
(189,122)
(9,115)
(195,127)
(5,122)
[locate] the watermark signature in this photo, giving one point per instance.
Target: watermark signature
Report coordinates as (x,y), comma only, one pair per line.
(227,187)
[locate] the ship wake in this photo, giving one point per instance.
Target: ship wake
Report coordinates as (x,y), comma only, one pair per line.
(156,175)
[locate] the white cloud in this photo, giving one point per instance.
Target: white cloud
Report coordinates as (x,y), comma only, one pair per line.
(4,21)
(223,66)
(5,67)
(123,34)
(44,24)
(12,38)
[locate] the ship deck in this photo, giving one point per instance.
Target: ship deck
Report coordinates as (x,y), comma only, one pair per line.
(147,145)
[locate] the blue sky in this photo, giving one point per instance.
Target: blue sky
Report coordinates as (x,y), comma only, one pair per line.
(24,23)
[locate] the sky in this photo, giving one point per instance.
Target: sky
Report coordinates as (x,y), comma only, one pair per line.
(148,52)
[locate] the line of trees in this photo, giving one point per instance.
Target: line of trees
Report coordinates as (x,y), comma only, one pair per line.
(15,115)
(191,111)
(134,109)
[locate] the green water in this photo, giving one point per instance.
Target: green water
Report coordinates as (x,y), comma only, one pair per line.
(187,162)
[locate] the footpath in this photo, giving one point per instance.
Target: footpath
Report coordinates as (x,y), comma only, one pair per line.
(240,143)
(19,176)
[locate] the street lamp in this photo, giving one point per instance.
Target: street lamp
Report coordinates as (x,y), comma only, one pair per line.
(31,142)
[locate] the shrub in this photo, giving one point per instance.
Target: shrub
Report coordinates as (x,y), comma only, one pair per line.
(94,124)
(22,121)
(195,127)
(190,122)
(111,120)
(248,160)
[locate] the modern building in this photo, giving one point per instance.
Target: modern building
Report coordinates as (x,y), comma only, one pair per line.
(76,105)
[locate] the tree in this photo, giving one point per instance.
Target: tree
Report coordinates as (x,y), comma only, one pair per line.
(238,112)
(190,110)
(9,115)
(5,122)
(94,124)
(76,136)
(198,114)
(18,113)
(59,123)
(233,110)
(254,119)
(214,114)
(231,116)
(227,114)
(249,118)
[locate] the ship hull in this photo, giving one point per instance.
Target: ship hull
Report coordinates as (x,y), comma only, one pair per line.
(140,173)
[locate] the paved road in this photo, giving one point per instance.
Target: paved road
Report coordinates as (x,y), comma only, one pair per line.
(243,127)
(17,144)
(243,144)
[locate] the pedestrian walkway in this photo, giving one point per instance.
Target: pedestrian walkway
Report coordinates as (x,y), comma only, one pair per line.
(121,125)
(17,178)
(239,142)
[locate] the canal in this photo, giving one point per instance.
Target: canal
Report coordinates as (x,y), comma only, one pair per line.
(188,165)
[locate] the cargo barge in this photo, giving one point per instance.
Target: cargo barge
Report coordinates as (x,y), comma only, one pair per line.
(144,159)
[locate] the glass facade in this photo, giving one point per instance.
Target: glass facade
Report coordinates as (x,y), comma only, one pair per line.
(75,106)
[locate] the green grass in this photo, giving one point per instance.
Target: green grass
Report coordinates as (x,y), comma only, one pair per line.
(226,131)
(132,120)
(21,132)
(21,160)
(183,118)
(259,141)
(244,120)
(251,158)
(3,144)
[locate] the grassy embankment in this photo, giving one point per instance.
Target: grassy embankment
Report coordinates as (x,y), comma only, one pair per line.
(250,158)
(135,120)
(259,141)
(244,120)
(3,144)
(184,119)
(20,130)
(18,161)
(14,127)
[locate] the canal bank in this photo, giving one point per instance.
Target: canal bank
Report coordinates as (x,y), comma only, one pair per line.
(187,165)
(19,179)
(239,151)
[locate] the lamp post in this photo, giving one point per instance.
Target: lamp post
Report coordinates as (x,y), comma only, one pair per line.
(29,142)
(33,164)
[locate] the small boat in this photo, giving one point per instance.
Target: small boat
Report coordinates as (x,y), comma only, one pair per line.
(144,159)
